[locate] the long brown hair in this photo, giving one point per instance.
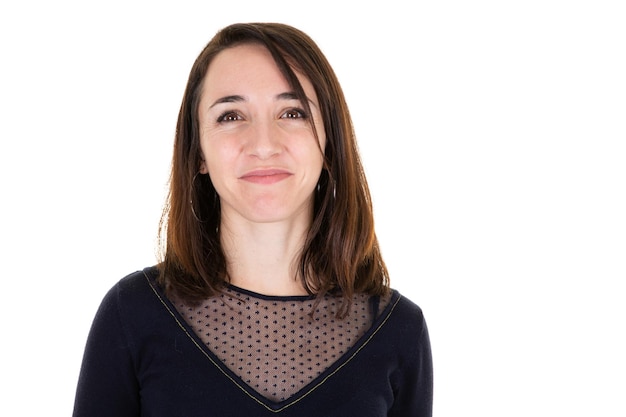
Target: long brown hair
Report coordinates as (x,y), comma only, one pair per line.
(341,255)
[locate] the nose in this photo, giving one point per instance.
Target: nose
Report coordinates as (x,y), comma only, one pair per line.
(264,140)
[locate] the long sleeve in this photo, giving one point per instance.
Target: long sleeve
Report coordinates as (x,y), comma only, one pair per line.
(141,358)
(107,385)
(413,380)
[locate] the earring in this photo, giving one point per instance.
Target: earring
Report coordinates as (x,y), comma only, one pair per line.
(191,205)
(319,186)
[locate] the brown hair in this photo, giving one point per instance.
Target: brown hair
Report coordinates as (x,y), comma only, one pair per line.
(341,254)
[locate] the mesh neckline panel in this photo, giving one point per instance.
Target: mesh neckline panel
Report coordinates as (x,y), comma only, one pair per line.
(274,344)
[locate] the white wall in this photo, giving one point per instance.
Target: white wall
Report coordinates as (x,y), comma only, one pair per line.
(492,132)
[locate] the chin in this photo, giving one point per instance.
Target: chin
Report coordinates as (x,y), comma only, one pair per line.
(277,213)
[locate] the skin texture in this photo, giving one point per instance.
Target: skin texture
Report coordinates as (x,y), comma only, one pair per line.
(263,158)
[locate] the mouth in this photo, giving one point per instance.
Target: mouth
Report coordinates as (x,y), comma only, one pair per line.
(265,176)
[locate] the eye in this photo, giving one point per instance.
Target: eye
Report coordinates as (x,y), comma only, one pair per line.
(229,116)
(294,114)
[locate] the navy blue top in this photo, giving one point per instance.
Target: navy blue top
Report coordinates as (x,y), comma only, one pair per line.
(142,359)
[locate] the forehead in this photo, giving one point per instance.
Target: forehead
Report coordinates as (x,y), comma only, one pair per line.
(240,63)
(248,67)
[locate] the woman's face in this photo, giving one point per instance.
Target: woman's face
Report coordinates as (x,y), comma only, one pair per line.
(257,143)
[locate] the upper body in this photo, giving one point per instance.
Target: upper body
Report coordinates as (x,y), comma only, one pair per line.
(268,198)
(144,359)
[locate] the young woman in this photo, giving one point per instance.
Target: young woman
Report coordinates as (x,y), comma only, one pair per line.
(272,297)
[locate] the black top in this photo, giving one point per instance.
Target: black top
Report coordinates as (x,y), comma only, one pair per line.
(143,359)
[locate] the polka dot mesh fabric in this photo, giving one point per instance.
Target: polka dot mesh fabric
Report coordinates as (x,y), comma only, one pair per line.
(274,344)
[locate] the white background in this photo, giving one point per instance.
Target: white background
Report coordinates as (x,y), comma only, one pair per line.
(493,134)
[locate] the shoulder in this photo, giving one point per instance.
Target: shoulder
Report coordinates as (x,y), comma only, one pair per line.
(405,317)
(132,282)
(131,292)
(131,307)
(135,283)
(405,303)
(137,280)
(405,307)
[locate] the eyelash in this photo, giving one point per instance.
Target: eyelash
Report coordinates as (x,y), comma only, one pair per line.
(232,116)
(228,114)
(301,113)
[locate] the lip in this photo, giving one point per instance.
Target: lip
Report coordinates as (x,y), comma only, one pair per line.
(265,176)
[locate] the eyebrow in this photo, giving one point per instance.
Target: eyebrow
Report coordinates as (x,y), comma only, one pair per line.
(228,99)
(238,98)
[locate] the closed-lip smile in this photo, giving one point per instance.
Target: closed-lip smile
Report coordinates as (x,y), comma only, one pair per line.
(265,175)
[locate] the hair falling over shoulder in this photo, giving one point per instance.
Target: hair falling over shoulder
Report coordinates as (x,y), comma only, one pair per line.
(341,255)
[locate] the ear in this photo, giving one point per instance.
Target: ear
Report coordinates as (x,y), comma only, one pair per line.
(203,168)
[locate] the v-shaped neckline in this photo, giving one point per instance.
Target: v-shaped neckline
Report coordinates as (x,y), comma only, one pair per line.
(247,389)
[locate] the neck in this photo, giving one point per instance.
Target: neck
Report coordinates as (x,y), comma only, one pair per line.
(264,257)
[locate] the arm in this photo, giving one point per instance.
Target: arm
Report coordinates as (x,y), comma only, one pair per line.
(413,381)
(107,385)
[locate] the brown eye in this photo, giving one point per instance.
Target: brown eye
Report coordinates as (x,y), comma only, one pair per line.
(294,114)
(229,116)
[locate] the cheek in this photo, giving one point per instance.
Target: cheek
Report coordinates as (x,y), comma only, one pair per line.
(220,160)
(313,158)
(215,165)
(322,143)
(321,133)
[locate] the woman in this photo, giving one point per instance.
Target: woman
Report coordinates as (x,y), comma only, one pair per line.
(272,296)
